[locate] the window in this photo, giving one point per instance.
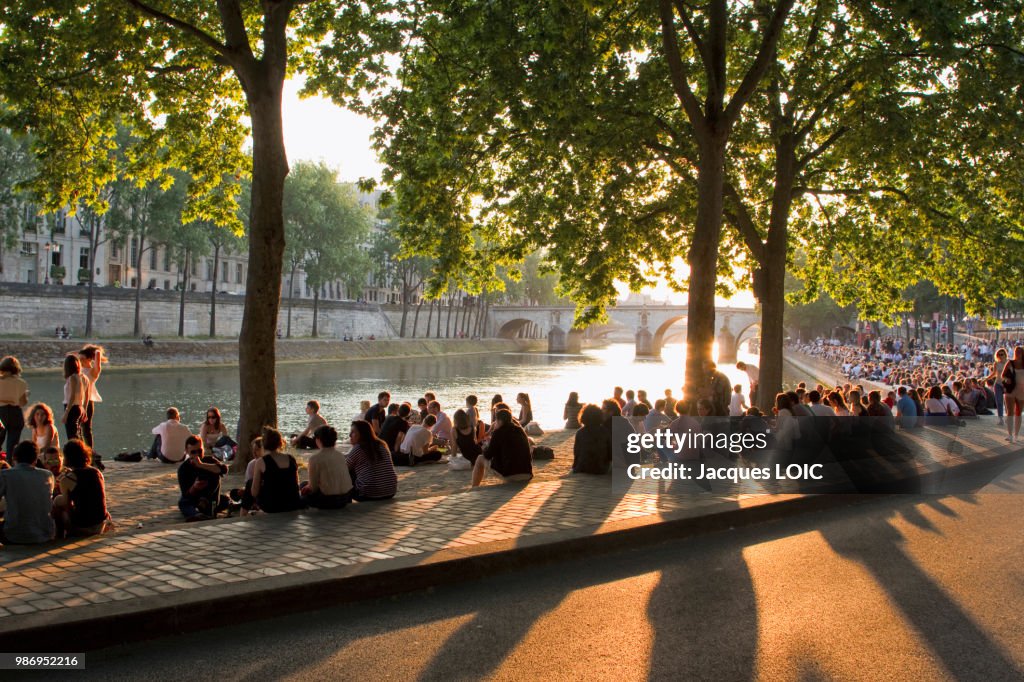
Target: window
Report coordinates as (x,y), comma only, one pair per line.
(60,222)
(193,286)
(135,251)
(115,252)
(225,275)
(167,285)
(83,258)
(153,258)
(167,259)
(29,248)
(238,273)
(55,255)
(195,271)
(209,270)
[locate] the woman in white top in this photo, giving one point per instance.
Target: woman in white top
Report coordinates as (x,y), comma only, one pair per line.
(13,398)
(1015,398)
(998,365)
(92,359)
(76,397)
(44,433)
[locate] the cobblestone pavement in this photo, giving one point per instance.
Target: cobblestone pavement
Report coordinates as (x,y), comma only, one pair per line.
(435,511)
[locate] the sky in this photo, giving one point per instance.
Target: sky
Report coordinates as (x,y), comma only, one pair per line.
(316,129)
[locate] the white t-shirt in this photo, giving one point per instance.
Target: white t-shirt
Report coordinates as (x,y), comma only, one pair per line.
(737,404)
(753,373)
(416,439)
(172,439)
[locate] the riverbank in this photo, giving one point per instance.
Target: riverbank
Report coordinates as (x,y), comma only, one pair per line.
(817,371)
(42,356)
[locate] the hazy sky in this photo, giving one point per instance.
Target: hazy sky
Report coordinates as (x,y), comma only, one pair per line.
(315,129)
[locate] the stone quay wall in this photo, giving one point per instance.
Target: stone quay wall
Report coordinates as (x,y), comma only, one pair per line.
(36,310)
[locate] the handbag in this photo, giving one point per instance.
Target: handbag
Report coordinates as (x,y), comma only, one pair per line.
(1009,378)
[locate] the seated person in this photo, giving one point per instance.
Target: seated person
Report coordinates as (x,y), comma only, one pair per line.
(52,461)
(304,440)
(275,478)
(465,441)
(28,492)
(592,450)
(169,444)
(213,432)
(418,444)
(377,413)
(396,426)
(508,454)
(199,479)
(329,485)
(243,496)
(442,429)
(81,507)
(369,465)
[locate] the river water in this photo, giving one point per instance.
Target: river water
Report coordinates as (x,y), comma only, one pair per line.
(135,400)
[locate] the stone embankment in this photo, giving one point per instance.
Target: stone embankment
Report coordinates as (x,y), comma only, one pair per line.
(40,355)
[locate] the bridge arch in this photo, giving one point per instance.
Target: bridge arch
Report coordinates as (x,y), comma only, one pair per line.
(659,334)
(512,328)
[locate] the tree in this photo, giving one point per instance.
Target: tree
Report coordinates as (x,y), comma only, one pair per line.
(598,129)
(17,166)
(327,229)
(182,75)
(394,264)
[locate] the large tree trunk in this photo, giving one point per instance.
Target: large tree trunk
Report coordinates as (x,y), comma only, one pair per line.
(257,341)
(430,317)
(184,288)
(316,310)
(437,326)
(405,307)
(703,262)
(137,330)
(771,285)
(213,291)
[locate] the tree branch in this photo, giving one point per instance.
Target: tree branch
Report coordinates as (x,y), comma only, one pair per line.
(677,69)
(234,27)
(764,57)
(738,214)
(183,26)
(694,35)
(815,153)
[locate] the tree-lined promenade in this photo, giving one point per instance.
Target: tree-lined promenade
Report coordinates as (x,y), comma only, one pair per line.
(865,145)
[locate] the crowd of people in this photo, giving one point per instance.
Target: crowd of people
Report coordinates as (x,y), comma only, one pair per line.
(968,379)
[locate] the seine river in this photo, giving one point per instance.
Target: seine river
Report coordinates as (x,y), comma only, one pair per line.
(134,401)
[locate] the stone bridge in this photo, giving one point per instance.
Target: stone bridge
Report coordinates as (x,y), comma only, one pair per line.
(650,326)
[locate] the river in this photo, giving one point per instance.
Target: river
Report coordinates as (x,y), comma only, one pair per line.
(135,400)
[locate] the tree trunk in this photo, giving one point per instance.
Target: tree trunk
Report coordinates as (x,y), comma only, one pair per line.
(405,308)
(258,337)
(703,262)
(137,331)
(291,299)
(213,291)
(772,284)
(416,318)
(93,239)
(316,310)
(430,317)
(184,288)
(440,305)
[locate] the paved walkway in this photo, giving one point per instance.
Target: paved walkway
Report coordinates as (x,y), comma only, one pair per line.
(170,563)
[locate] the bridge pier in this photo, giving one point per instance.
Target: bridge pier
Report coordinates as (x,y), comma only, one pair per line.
(645,345)
(556,340)
(726,346)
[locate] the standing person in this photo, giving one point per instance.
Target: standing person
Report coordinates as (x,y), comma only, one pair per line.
(997,374)
(28,492)
(369,464)
(13,398)
(92,358)
(76,397)
(1014,371)
(44,433)
(275,478)
(753,376)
